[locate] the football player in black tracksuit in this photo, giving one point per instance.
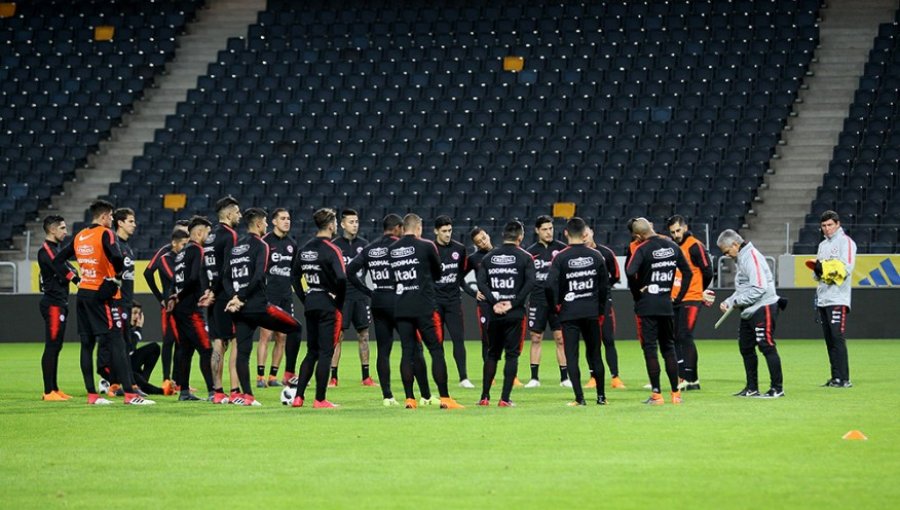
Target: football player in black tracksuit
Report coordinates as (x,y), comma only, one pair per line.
(609,321)
(482,242)
(539,314)
(506,276)
(577,289)
(282,249)
(124,224)
(357,310)
(416,268)
(163,262)
(218,244)
(374,261)
(54,303)
(143,358)
(320,267)
(454,266)
(651,273)
(244,283)
(188,296)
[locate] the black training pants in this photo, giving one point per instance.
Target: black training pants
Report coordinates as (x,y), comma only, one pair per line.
(653,331)
(759,332)
(589,330)
(415,331)
(504,335)
(834,323)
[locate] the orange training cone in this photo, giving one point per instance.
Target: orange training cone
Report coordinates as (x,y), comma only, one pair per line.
(855,435)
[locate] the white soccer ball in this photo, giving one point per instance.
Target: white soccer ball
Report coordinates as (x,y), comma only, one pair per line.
(287,395)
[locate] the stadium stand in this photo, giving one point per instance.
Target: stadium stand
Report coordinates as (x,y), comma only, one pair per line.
(863,174)
(624,108)
(65,81)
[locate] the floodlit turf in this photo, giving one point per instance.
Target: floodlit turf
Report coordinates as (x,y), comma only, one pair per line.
(715,451)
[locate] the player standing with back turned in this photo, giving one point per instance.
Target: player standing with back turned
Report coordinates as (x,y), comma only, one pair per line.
(505,278)
(577,287)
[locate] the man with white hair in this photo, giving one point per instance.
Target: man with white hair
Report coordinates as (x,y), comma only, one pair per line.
(755,298)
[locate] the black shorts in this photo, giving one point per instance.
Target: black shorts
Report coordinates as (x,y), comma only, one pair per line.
(285,303)
(356,313)
(96,317)
(219,322)
(539,316)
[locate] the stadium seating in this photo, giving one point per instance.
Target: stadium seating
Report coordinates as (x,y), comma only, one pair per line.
(625,108)
(862,179)
(62,91)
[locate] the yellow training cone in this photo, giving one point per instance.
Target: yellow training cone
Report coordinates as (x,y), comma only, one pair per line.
(855,435)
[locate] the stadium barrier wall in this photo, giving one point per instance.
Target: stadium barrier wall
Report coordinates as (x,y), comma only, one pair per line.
(873,315)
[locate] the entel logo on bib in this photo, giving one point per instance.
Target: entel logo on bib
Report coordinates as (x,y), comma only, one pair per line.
(240,250)
(377,253)
(309,256)
(210,238)
(663,253)
(580,262)
(503,260)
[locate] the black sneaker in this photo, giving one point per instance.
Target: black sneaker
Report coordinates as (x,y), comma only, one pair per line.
(747,392)
(832,383)
(772,393)
(187,397)
(601,400)
(847,384)
(577,403)
(692,386)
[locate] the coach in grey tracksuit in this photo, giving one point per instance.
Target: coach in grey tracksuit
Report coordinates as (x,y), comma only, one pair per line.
(833,295)
(755,298)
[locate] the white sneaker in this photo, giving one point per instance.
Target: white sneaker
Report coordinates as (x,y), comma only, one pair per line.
(566,384)
(388,402)
(102,385)
(256,403)
(648,386)
(534,383)
(140,401)
(433,401)
(682,384)
(465,383)
(100,402)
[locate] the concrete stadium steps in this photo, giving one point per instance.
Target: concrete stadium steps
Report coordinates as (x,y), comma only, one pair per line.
(847,33)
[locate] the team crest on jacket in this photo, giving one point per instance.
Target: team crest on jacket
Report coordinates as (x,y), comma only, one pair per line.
(290,249)
(555,252)
(454,256)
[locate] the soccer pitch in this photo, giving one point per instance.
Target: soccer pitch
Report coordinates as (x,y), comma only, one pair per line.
(714,451)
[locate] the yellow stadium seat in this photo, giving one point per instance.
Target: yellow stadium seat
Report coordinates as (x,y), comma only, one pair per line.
(7,9)
(514,64)
(564,210)
(104,33)
(174,201)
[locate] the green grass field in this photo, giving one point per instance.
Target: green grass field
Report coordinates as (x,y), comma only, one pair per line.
(715,451)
